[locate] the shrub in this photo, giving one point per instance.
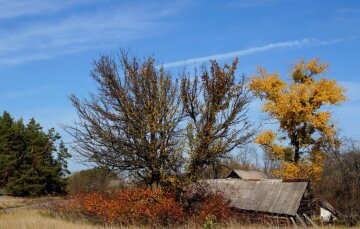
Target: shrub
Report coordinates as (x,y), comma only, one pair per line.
(216,208)
(204,206)
(126,207)
(145,207)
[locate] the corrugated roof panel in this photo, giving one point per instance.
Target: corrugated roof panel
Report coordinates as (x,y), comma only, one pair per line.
(271,196)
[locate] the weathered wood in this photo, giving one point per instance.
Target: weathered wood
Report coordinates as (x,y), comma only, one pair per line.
(308,219)
(293,221)
(275,197)
(261,218)
(247,175)
(301,220)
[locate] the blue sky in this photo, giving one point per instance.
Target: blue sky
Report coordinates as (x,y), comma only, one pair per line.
(47,46)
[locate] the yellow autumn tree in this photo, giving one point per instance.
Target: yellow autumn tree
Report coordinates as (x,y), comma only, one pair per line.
(300,105)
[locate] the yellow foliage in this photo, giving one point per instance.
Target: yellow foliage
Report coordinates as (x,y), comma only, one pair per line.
(267,140)
(298,105)
(289,170)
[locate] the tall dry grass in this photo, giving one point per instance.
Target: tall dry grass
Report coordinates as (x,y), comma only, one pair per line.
(13,202)
(36,219)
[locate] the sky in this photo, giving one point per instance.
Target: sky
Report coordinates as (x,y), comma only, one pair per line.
(47,47)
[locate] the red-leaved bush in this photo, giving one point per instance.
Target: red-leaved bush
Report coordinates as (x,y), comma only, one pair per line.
(214,207)
(144,207)
(202,205)
(139,206)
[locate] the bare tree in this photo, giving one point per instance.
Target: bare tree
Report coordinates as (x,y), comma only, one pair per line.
(245,159)
(216,107)
(340,183)
(131,124)
(271,164)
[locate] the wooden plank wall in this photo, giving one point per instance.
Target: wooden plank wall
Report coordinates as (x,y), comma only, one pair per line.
(250,217)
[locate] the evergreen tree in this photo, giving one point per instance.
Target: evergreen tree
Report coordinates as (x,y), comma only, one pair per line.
(27,159)
(12,147)
(63,155)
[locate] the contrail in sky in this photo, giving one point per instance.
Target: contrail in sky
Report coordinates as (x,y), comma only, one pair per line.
(249,51)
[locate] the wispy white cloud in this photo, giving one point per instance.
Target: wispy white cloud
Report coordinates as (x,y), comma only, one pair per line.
(16,8)
(26,92)
(104,27)
(347,14)
(347,11)
(253,50)
(254,3)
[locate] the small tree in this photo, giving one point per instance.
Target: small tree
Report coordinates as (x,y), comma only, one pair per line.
(305,124)
(94,180)
(131,123)
(216,107)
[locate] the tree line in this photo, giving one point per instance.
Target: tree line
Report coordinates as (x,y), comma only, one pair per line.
(32,162)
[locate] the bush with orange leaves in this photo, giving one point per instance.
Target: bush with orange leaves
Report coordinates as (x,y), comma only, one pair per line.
(144,207)
(214,207)
(139,206)
(202,205)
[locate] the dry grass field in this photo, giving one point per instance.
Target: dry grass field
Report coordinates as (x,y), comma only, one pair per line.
(14,202)
(35,219)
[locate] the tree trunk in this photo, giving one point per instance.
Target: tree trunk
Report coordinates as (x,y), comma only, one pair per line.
(297,155)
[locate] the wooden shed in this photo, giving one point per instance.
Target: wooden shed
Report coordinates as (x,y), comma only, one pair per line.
(247,175)
(266,201)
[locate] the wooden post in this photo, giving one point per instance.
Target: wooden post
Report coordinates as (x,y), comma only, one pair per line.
(301,220)
(308,219)
(293,221)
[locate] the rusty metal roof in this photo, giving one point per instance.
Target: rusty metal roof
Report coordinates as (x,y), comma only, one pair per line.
(270,196)
(248,175)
